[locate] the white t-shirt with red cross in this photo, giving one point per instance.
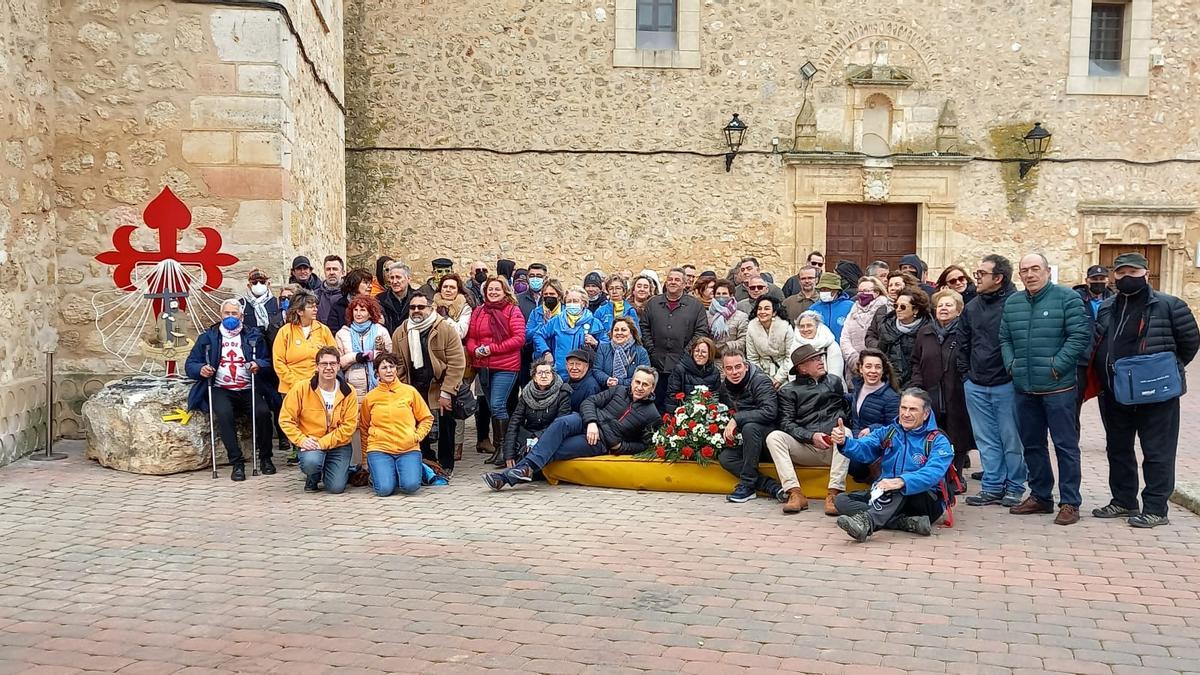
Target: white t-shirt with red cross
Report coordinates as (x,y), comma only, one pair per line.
(233,370)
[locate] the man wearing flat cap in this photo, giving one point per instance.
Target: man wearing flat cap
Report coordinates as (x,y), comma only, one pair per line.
(440,267)
(1137,323)
(809,408)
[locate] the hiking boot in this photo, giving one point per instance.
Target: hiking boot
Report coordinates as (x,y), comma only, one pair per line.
(1030,506)
(1113,511)
(1145,520)
(484,446)
(495,480)
(796,501)
(858,526)
(915,524)
(1011,499)
(741,494)
(830,506)
(1067,515)
(266,467)
(518,474)
(781,495)
(985,499)
(239,473)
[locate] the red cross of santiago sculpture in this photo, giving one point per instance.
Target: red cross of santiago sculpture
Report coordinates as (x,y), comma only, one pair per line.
(170,216)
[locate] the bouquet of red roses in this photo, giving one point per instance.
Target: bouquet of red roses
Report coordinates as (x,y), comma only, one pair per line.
(693,432)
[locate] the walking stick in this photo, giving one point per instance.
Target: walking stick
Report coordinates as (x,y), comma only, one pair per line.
(253,416)
(212,430)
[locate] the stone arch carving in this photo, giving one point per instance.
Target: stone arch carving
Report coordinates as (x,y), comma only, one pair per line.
(892,30)
(877,125)
(1136,232)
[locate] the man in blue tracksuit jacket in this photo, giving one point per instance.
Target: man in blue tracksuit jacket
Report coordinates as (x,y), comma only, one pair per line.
(906,496)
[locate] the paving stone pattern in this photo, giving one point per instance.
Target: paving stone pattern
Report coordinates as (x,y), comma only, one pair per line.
(110,572)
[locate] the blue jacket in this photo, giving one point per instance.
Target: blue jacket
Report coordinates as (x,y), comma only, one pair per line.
(833,313)
(879,408)
(210,340)
(602,364)
(585,388)
(905,457)
(604,314)
(534,323)
(558,338)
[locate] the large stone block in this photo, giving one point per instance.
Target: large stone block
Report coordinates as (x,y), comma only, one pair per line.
(125,431)
(208,147)
(247,35)
(239,112)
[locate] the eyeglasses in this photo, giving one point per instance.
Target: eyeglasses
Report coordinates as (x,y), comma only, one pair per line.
(327,364)
(412,307)
(903,306)
(258,280)
(957,280)
(979,274)
(757,288)
(817,264)
(480,269)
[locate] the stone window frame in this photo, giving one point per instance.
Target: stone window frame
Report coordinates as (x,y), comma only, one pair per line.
(687,49)
(1138,43)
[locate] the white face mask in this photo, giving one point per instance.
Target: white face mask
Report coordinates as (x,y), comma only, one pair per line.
(826,296)
(258,290)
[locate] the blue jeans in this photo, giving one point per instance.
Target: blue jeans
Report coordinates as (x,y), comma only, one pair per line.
(1054,413)
(391,471)
(500,383)
(329,466)
(565,438)
(994,424)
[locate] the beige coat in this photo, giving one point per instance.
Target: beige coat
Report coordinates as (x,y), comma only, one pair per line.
(446,355)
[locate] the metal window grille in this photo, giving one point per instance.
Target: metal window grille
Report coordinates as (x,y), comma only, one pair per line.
(1107,40)
(657,24)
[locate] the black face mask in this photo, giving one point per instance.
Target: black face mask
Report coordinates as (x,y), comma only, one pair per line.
(550,303)
(1131,285)
(1096,288)
(480,276)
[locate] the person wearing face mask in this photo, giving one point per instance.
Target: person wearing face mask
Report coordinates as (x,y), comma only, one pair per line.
(473,288)
(230,353)
(832,304)
(262,313)
(593,286)
(529,299)
(549,306)
(1093,292)
(869,299)
(379,282)
(1140,321)
(573,328)
(726,323)
(520,284)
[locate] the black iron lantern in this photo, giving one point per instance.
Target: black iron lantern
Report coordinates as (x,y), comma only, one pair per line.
(735,131)
(1037,142)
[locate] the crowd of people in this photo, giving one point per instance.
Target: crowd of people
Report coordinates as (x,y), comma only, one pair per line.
(878,375)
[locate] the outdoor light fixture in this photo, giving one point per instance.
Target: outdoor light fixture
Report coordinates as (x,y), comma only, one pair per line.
(1037,142)
(808,70)
(734,132)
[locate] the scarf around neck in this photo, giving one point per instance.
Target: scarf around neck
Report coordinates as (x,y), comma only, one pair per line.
(622,357)
(414,338)
(718,318)
(454,308)
(541,399)
(942,331)
(907,328)
(363,338)
(259,305)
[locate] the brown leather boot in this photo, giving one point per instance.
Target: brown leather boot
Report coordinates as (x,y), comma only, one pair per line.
(1067,515)
(796,501)
(1030,506)
(830,507)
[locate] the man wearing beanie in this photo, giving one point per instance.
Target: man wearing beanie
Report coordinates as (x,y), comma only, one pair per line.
(593,285)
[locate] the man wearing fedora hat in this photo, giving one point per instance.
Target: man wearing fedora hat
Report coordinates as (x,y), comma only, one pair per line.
(1139,321)
(809,408)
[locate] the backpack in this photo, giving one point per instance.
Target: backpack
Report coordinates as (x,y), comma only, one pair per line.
(948,486)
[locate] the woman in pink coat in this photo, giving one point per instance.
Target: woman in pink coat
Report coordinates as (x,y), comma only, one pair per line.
(494,341)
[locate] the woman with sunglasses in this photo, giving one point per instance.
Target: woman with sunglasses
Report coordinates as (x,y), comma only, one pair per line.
(956,278)
(898,333)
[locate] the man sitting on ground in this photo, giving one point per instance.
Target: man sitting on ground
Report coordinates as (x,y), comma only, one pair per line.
(915,459)
(809,407)
(583,380)
(615,421)
(319,416)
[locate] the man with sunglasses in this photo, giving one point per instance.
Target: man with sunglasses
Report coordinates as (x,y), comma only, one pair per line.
(991,399)
(747,270)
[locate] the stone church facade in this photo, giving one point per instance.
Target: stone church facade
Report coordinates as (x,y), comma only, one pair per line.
(478,129)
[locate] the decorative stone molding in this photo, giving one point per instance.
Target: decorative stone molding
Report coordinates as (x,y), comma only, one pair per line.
(687,50)
(1142,224)
(832,64)
(817,178)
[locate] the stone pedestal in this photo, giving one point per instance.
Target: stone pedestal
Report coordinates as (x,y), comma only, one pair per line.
(125,430)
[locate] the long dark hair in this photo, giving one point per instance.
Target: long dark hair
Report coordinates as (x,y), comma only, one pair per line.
(889,373)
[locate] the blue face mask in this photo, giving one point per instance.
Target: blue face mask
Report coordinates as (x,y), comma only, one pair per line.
(536,283)
(284,304)
(231,323)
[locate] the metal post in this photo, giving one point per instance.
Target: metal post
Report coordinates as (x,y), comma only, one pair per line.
(49,455)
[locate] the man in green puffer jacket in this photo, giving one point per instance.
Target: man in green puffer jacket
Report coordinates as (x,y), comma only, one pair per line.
(1043,332)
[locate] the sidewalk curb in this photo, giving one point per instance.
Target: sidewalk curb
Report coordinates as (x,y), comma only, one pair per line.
(1187,495)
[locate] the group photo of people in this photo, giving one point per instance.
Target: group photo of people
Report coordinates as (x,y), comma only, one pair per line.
(886,376)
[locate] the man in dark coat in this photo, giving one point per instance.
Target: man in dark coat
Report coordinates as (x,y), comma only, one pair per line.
(753,403)
(395,299)
(302,274)
(809,407)
(1140,320)
(671,320)
(616,421)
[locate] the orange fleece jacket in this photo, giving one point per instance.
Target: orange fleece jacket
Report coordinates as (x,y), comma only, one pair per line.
(303,415)
(394,418)
(295,356)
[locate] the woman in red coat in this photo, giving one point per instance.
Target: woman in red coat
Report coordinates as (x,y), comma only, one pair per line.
(494,341)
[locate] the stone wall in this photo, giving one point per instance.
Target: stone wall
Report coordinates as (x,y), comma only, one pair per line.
(520,75)
(27,224)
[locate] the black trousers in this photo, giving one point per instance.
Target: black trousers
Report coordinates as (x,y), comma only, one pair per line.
(228,406)
(742,460)
(1156,425)
(890,507)
(439,444)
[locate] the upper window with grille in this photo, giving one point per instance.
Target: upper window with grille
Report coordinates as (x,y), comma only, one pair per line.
(657,24)
(1106,49)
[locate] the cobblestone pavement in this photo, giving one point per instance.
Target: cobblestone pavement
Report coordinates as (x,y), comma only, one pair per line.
(110,572)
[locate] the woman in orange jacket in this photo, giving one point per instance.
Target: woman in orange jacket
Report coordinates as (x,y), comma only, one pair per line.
(296,344)
(393,420)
